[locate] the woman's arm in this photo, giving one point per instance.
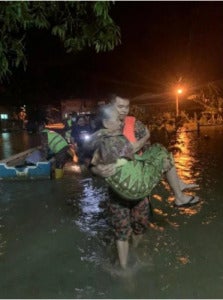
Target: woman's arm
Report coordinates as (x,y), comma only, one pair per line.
(141,142)
(103,170)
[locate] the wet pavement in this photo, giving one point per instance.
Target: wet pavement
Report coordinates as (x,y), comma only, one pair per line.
(55,239)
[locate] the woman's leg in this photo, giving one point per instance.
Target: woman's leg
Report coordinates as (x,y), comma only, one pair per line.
(187,186)
(176,185)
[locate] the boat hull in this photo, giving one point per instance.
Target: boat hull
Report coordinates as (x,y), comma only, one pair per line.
(15,167)
(39,171)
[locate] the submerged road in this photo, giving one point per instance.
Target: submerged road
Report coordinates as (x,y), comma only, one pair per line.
(55,239)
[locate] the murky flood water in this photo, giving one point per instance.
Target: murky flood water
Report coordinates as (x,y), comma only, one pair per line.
(15,142)
(55,241)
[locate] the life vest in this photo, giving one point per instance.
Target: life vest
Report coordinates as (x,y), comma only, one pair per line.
(69,123)
(55,141)
(129,128)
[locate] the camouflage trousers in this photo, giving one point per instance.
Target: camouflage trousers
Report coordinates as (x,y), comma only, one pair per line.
(128,217)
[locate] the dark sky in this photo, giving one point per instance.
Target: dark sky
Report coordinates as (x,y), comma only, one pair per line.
(160,42)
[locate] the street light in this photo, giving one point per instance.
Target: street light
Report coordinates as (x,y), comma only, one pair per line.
(179,91)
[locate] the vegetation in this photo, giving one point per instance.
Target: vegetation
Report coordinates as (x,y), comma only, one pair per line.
(78,24)
(209,97)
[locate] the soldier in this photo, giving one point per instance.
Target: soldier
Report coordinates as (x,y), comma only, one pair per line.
(130,218)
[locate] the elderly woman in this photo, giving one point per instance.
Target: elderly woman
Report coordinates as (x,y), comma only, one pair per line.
(133,176)
(136,175)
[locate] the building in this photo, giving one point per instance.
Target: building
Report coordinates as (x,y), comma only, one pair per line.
(80,106)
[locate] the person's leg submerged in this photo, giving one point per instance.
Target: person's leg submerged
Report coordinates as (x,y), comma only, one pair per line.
(139,220)
(136,239)
(120,219)
(123,251)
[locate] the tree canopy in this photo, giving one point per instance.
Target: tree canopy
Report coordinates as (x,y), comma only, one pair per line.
(78,25)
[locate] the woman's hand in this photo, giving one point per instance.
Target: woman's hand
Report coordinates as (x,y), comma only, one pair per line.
(147,135)
(103,170)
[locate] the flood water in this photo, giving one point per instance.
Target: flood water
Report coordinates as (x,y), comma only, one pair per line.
(55,240)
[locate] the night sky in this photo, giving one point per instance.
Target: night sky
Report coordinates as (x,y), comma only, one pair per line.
(161,41)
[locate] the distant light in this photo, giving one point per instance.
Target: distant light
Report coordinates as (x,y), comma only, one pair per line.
(4,116)
(179,91)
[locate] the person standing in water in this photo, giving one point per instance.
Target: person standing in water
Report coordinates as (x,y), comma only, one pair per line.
(130,218)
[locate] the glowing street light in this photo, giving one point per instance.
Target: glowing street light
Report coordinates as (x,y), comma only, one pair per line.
(179,91)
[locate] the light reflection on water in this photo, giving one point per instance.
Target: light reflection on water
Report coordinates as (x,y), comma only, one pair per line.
(186,164)
(186,159)
(63,227)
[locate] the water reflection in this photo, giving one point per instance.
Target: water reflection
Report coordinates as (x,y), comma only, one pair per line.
(15,142)
(90,218)
(186,161)
(5,145)
(186,158)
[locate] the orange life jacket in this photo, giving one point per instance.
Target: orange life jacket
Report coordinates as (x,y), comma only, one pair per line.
(129,128)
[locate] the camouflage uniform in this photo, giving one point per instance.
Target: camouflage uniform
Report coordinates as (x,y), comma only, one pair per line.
(127,216)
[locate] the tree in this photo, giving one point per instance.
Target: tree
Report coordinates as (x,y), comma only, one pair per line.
(78,24)
(209,96)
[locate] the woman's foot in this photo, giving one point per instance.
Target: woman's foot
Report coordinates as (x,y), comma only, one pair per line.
(186,200)
(187,186)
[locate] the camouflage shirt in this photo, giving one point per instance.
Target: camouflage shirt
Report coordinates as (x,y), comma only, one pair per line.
(140,129)
(109,147)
